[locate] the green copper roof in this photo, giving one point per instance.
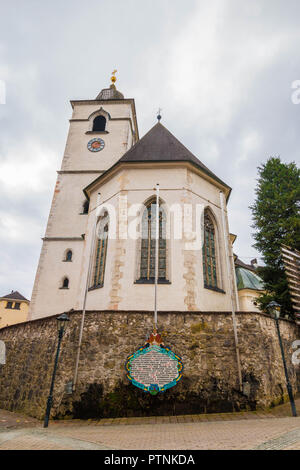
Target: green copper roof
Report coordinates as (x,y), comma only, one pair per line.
(247,279)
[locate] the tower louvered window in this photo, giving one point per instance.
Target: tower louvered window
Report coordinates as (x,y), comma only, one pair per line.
(99,124)
(147,270)
(100,252)
(209,253)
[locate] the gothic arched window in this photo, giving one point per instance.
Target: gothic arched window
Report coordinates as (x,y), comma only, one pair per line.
(65,284)
(147,267)
(85,207)
(69,255)
(209,253)
(99,123)
(100,252)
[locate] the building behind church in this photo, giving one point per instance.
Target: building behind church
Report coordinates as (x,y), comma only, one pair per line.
(14,308)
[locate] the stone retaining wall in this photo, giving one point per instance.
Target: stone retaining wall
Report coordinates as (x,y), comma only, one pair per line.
(204,340)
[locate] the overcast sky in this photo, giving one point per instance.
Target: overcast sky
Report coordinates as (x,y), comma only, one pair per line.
(221,70)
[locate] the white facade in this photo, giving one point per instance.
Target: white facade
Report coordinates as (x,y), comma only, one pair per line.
(123,187)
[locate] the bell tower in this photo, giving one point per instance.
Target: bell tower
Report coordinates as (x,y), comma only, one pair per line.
(101,130)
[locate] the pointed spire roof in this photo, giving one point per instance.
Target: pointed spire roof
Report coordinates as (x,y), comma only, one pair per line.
(159,145)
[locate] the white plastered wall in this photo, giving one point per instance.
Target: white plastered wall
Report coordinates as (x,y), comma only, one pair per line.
(120,290)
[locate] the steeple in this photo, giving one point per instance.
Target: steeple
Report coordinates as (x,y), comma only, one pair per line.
(110,93)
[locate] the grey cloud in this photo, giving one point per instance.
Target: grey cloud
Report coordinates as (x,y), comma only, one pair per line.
(243,53)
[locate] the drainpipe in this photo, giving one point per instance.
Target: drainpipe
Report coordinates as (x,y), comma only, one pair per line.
(233,292)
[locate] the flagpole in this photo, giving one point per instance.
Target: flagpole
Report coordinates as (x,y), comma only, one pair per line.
(156,254)
(88,277)
(232,293)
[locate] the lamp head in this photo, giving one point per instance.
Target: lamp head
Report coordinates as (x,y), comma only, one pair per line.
(274,308)
(61,321)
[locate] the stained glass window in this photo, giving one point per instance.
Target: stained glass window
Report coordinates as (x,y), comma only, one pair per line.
(100,252)
(209,253)
(147,270)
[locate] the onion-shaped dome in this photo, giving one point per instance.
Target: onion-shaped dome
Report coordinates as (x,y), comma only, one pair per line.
(110,93)
(247,279)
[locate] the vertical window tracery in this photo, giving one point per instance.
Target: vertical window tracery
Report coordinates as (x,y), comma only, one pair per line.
(209,253)
(100,252)
(147,267)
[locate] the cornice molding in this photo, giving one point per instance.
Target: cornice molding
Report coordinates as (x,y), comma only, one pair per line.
(71,172)
(65,239)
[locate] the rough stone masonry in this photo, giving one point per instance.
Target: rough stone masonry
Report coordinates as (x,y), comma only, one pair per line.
(204,340)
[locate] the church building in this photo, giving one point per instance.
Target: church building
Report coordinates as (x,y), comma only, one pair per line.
(99,246)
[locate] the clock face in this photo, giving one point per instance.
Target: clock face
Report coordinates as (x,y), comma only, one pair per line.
(95,145)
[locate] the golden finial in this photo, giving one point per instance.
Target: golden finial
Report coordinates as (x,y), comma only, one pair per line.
(113,76)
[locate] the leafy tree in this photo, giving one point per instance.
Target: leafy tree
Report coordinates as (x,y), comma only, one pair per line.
(275,213)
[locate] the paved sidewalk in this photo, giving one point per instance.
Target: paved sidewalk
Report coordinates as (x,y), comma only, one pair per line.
(260,434)
(10,420)
(270,430)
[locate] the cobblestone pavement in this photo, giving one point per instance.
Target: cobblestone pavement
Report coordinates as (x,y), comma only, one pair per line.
(237,431)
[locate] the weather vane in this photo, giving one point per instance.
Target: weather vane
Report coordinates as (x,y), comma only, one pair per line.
(158,114)
(113,76)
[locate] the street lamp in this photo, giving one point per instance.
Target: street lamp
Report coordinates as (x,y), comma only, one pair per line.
(61,323)
(274,308)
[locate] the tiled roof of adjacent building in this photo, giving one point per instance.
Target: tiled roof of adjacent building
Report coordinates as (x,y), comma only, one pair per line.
(240,263)
(14,295)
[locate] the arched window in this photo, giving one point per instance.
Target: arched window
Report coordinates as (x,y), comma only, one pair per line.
(99,123)
(85,207)
(209,253)
(147,267)
(65,284)
(69,255)
(100,252)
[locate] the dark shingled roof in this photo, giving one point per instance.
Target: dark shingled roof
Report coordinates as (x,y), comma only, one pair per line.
(159,145)
(15,295)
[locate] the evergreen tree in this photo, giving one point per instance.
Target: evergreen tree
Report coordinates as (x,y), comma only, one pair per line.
(276,220)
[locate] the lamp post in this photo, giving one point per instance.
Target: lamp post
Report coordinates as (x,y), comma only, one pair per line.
(61,322)
(274,308)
